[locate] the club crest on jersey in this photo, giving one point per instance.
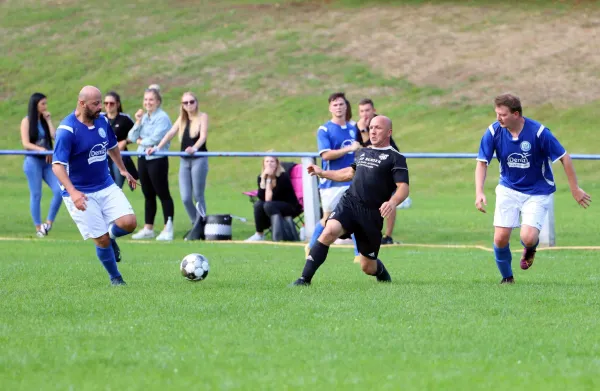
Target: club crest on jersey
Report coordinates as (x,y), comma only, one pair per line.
(102,132)
(97,153)
(518,160)
(525,146)
(383,156)
(352,133)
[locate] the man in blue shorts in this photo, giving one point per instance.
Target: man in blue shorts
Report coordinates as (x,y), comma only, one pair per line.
(98,206)
(526,150)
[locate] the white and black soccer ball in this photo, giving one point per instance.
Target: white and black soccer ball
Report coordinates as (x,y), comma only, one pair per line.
(194,267)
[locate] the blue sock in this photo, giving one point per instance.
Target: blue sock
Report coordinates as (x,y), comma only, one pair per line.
(532,248)
(117,231)
(355,247)
(107,257)
(318,231)
(503,261)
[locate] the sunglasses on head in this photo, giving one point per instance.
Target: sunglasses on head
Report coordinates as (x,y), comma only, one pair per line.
(110,103)
(188,102)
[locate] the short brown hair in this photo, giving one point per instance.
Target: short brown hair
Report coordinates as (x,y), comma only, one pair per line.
(337,95)
(511,101)
(366,101)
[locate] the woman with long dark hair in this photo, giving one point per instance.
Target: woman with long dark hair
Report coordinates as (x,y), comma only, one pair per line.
(37,132)
(121,124)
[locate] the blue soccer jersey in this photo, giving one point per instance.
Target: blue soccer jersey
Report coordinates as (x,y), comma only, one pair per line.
(330,137)
(525,162)
(82,150)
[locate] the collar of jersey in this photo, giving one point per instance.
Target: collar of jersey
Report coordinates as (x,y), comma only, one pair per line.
(381,149)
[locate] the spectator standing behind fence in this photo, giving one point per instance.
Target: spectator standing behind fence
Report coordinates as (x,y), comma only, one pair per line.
(149,129)
(276,196)
(192,126)
(121,124)
(37,132)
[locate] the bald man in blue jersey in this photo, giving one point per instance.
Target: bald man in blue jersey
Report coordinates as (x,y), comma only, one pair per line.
(98,206)
(525,150)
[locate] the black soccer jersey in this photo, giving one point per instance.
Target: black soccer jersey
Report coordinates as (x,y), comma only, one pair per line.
(377,172)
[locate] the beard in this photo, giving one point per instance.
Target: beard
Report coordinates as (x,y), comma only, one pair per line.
(91,114)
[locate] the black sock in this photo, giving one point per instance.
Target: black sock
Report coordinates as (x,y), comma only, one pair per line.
(316,257)
(382,273)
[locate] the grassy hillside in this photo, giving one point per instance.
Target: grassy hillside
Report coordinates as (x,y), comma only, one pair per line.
(263,73)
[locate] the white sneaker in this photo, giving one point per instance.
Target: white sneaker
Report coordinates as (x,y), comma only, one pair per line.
(255,238)
(165,235)
(143,234)
(41,232)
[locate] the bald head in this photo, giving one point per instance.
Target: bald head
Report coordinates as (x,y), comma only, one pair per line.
(89,104)
(383,121)
(380,131)
(89,93)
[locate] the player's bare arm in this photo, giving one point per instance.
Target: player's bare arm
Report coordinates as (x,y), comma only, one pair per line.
(480,174)
(580,196)
(402,190)
(343,175)
(115,155)
(77,197)
(334,154)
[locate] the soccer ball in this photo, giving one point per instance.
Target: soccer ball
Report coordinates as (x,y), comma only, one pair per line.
(194,267)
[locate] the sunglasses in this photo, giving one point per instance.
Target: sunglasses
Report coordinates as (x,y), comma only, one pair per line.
(110,103)
(188,102)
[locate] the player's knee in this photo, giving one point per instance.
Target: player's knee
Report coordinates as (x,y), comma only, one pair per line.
(501,240)
(128,223)
(327,237)
(529,239)
(103,241)
(368,266)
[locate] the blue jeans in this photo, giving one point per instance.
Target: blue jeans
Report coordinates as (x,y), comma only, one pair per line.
(36,169)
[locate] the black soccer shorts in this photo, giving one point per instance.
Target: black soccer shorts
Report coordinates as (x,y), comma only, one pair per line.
(364,223)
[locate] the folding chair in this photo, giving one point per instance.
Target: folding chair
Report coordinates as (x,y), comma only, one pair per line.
(294,170)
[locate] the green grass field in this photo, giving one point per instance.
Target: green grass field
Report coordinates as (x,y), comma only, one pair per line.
(263,72)
(443,324)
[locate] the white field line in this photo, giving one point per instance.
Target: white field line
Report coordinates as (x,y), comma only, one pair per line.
(301,244)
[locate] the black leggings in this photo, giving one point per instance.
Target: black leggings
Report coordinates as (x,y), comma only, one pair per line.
(154,176)
(263,210)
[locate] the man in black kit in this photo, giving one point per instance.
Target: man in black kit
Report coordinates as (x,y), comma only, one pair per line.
(377,172)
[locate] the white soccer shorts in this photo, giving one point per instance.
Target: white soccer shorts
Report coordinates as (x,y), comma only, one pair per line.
(512,204)
(331,197)
(103,207)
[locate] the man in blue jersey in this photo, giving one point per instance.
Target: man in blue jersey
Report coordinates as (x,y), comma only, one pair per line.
(98,206)
(526,150)
(336,144)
